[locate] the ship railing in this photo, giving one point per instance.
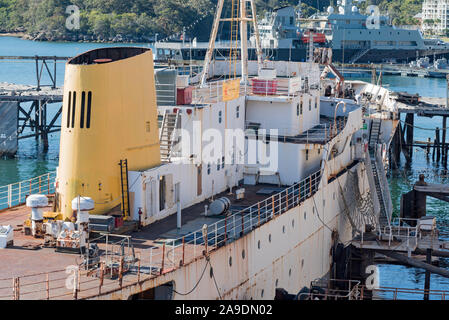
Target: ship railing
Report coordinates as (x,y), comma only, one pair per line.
(171,254)
(320,134)
(332,289)
(15,194)
(212,92)
(404,229)
(392,293)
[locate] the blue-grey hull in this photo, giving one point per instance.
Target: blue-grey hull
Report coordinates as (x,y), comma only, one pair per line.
(339,55)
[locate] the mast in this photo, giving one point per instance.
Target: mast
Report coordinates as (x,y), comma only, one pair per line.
(243,19)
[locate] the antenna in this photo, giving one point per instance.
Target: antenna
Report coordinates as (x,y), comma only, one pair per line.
(236,17)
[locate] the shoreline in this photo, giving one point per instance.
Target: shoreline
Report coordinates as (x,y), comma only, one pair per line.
(13,34)
(26,36)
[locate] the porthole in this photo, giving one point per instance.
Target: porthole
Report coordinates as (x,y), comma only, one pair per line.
(305,215)
(258,244)
(302,263)
(293,223)
(276,283)
(269,238)
(211,272)
(230,261)
(290,272)
(283,229)
(261,294)
(243,254)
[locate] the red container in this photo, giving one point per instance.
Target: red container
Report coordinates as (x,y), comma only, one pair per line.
(184,95)
(118,221)
(264,87)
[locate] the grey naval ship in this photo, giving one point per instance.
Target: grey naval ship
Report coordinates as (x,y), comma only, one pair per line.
(354,38)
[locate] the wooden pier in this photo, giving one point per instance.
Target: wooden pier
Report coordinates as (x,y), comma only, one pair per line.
(404,137)
(27,106)
(393,70)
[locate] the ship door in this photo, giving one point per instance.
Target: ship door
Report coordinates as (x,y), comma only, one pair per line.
(150,202)
(199,180)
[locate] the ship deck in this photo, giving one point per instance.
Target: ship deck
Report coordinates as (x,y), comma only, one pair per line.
(41,271)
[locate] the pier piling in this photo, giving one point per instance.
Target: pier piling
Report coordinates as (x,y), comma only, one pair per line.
(437,143)
(443,142)
(409,120)
(427,278)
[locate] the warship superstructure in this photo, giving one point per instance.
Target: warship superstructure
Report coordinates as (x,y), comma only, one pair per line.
(352,35)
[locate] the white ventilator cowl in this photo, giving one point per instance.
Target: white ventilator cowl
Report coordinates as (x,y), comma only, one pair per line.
(86,204)
(36,202)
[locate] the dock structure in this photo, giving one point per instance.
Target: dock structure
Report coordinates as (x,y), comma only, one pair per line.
(28,106)
(404,137)
(394,70)
(411,235)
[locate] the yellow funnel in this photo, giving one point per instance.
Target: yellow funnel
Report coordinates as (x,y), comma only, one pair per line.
(109,114)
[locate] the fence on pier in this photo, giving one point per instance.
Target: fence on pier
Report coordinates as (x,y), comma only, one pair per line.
(15,194)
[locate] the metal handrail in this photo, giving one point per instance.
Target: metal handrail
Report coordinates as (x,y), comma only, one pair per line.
(15,194)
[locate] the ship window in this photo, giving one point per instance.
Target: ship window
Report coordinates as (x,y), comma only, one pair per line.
(310,104)
(68,109)
(237,112)
(222,162)
(307,155)
(83,101)
(297,109)
(219,116)
(208,168)
(73,108)
(89,101)
(300,108)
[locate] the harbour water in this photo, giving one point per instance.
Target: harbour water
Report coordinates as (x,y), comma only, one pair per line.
(31,161)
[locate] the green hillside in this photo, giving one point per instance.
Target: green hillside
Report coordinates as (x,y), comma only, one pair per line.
(140,20)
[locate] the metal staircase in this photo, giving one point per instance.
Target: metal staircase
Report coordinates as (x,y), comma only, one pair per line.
(358,55)
(383,218)
(125,187)
(373,141)
(374,134)
(166,137)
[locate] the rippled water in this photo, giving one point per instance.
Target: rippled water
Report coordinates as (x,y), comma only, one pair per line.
(31,161)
